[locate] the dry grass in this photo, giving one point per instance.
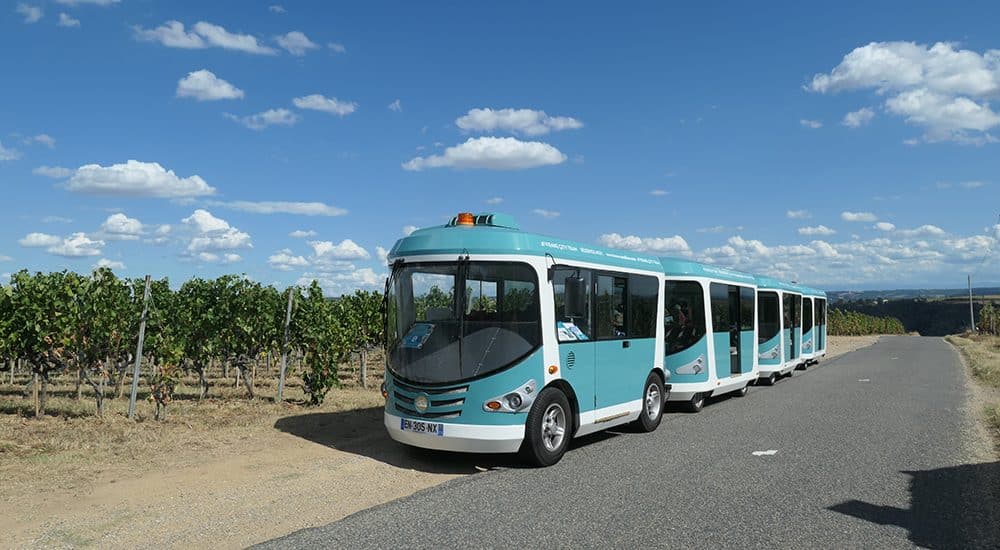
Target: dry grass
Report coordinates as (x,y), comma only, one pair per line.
(70,446)
(982,355)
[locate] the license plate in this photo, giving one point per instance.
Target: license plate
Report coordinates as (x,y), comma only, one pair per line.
(418,426)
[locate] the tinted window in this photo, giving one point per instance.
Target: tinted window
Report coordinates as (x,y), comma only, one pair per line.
(684,317)
(796,310)
(820,312)
(807,314)
(746,308)
(568,328)
(720,307)
(643,292)
(611,315)
(768,324)
(787,310)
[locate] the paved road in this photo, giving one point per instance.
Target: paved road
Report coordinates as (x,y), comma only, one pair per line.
(872,451)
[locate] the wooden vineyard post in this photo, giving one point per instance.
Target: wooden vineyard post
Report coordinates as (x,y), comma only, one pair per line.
(34,391)
(284,345)
(138,351)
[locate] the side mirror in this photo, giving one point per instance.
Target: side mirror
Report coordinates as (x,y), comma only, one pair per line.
(576,297)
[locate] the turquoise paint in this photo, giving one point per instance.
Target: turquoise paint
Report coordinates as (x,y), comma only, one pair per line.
(774,342)
(806,338)
(674,267)
(788,343)
(478,393)
(746,351)
(581,376)
(685,358)
(798,342)
(621,371)
(723,361)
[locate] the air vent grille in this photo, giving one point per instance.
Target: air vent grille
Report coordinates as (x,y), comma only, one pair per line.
(570,360)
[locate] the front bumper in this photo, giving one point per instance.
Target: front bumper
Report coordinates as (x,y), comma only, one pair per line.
(465,438)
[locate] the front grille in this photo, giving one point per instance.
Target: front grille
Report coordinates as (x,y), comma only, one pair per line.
(431,391)
(429,414)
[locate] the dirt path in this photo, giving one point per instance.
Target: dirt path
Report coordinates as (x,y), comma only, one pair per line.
(839,345)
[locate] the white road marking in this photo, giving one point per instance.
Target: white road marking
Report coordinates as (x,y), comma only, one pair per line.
(864,379)
(765,453)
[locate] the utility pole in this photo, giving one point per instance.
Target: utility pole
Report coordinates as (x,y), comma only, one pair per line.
(284,346)
(972,317)
(138,350)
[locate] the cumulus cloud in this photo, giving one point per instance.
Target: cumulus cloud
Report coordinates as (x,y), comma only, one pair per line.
(941,88)
(331,105)
(77,245)
(407,229)
(884,226)
(518,121)
(858,217)
(38,240)
(491,153)
(719,229)
(382,254)
(31,14)
(286,260)
(814,124)
(798,214)
(110,264)
(66,21)
(102,3)
(296,43)
(136,179)
(856,119)
(56,219)
(396,106)
(202,35)
(55,172)
(346,281)
(9,154)
(547,214)
(656,245)
(816,230)
(302,233)
(336,48)
(213,234)
(121,227)
(270,117)
(344,250)
(45,140)
(203,85)
(284,207)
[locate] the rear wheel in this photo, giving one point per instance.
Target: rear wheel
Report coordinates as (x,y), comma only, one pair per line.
(771,379)
(697,403)
(653,397)
(548,428)
(743,391)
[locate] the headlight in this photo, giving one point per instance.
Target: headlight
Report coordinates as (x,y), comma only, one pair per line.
(516,400)
(513,400)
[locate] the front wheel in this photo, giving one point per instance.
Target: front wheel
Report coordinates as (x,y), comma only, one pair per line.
(547,430)
(653,397)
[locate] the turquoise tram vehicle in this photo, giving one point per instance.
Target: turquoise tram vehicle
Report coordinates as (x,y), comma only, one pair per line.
(710,331)
(813,325)
(777,338)
(498,340)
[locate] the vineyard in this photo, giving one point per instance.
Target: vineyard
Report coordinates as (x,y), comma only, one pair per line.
(206,337)
(852,323)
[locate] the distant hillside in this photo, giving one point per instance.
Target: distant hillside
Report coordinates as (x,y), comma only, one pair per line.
(908,294)
(928,316)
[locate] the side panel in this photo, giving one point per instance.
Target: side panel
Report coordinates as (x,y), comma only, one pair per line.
(578,368)
(690,365)
(622,366)
(770,351)
(723,354)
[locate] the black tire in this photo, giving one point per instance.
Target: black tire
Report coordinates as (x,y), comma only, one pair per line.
(697,403)
(771,380)
(789,373)
(742,392)
(539,447)
(653,399)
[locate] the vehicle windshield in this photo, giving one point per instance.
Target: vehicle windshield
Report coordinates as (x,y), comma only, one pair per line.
(436,336)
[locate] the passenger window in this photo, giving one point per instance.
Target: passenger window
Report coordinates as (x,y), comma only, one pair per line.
(768,323)
(684,317)
(611,316)
(720,307)
(787,306)
(643,292)
(807,315)
(571,329)
(746,308)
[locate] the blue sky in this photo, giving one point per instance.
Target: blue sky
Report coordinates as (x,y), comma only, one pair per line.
(844,146)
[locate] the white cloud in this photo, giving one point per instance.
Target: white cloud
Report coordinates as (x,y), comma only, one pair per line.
(814,124)
(121,227)
(5,259)
(346,281)
(270,117)
(103,3)
(656,245)
(56,219)
(884,226)
(547,214)
(519,121)
(816,230)
(856,119)
(283,207)
(396,106)
(213,234)
(136,179)
(110,264)
(161,235)
(66,21)
(296,43)
(858,217)
(302,233)
(32,14)
(494,200)
(231,258)
(286,260)
(336,48)
(45,140)
(276,8)
(38,240)
(202,35)
(382,254)
(203,85)
(407,229)
(659,192)
(9,154)
(940,88)
(77,245)
(798,214)
(332,105)
(492,153)
(55,172)
(926,230)
(972,184)
(344,250)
